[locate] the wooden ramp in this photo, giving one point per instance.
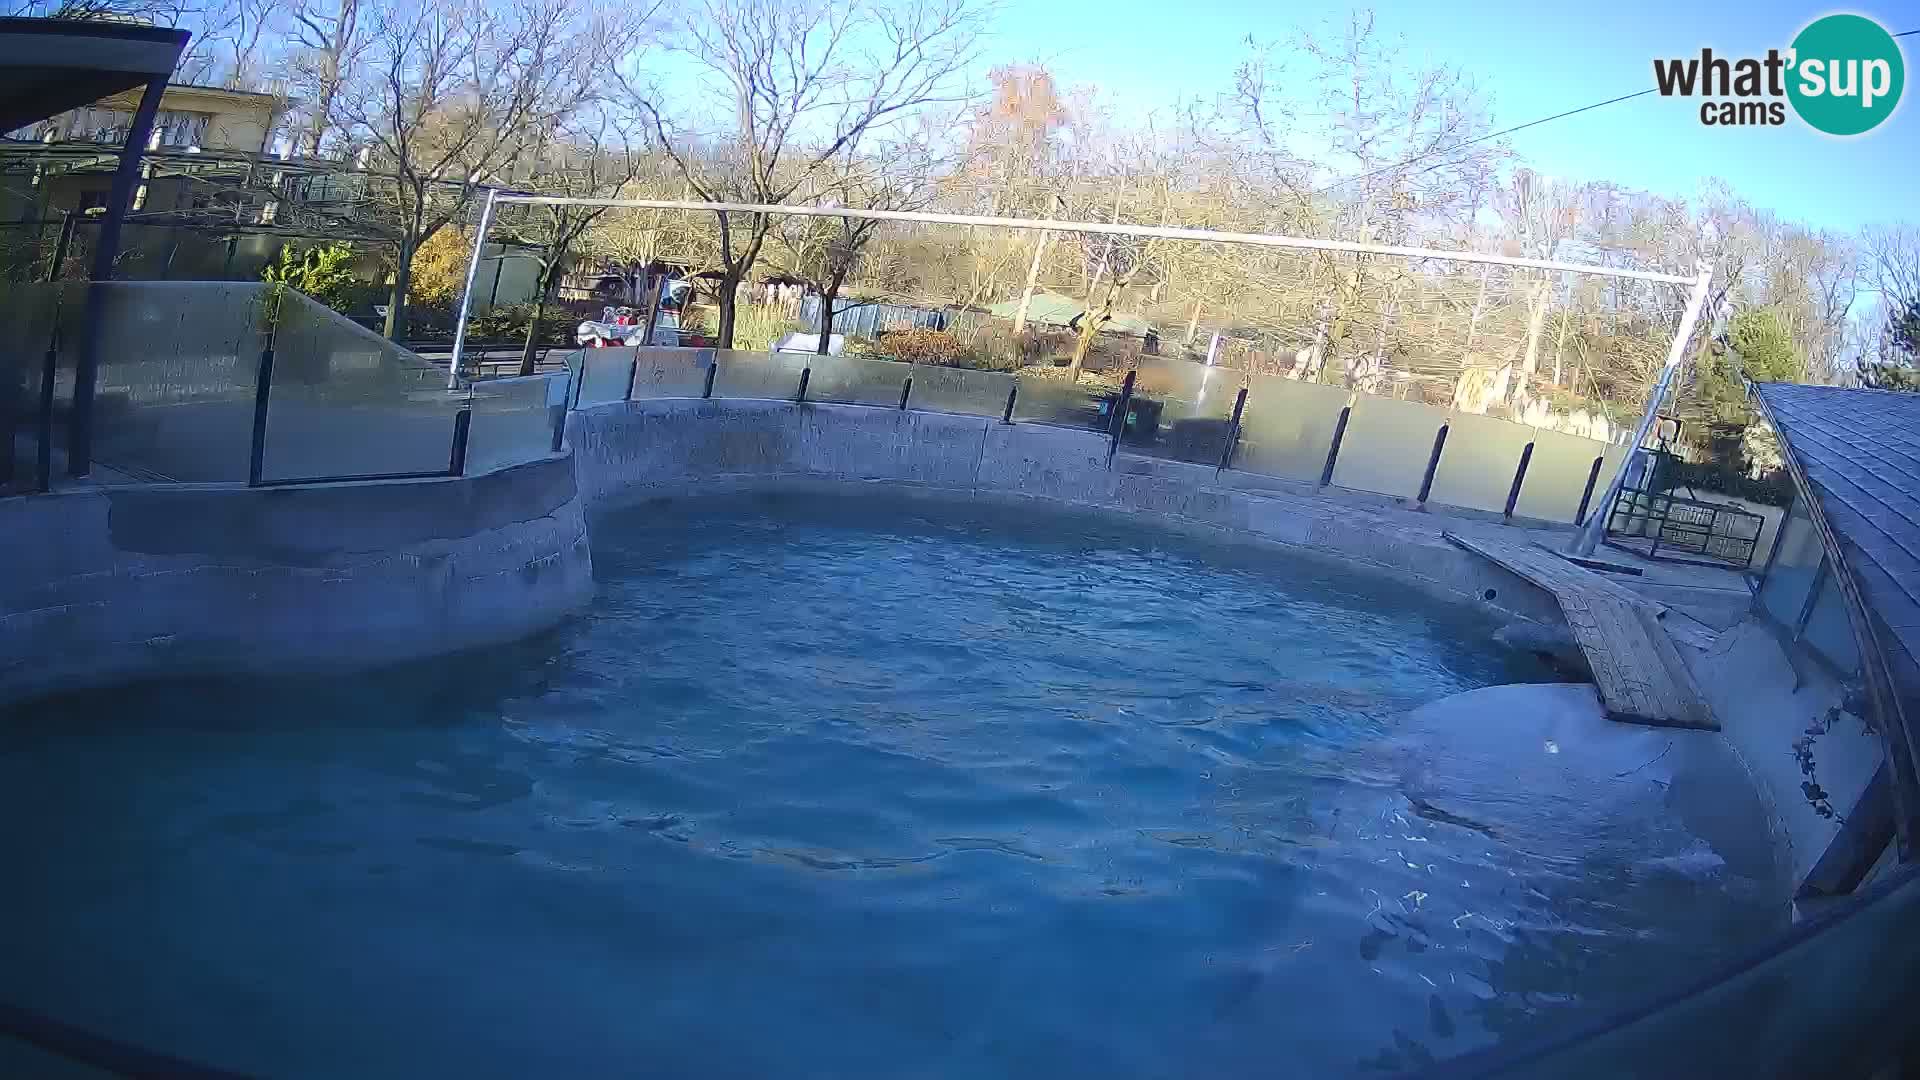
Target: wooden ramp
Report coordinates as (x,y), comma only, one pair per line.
(1640,674)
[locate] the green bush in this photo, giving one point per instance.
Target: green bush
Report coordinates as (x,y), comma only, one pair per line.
(324,272)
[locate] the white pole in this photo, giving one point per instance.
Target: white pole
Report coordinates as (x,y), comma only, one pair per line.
(1596,527)
(1213,348)
(1105,228)
(466,294)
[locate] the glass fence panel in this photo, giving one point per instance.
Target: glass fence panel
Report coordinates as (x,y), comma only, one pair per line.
(671,373)
(856,380)
(960,390)
(603,375)
(177,364)
(1828,632)
(1824,1001)
(1557,476)
(1182,410)
(1046,400)
(1478,464)
(741,374)
(27,316)
(512,421)
(347,402)
(1387,446)
(1288,426)
(1796,561)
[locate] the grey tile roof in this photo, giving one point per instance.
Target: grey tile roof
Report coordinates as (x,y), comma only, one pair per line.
(1860,450)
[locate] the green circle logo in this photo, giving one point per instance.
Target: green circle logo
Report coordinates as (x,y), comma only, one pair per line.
(1846,75)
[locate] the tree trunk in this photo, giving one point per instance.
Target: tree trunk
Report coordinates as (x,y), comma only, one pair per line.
(1090,325)
(826,318)
(1536,325)
(1560,348)
(728,300)
(397,302)
(1479,308)
(1033,279)
(533,325)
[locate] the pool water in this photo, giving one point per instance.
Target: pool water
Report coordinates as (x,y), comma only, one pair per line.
(830,788)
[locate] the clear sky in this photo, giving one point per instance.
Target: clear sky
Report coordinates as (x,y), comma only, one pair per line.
(1533,59)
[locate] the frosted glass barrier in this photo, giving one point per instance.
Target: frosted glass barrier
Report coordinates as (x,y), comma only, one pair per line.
(1795,562)
(1045,400)
(173,397)
(347,402)
(1387,445)
(1828,632)
(1823,1000)
(1558,474)
(1287,427)
(603,375)
(856,380)
(671,373)
(960,390)
(1182,410)
(1478,464)
(27,314)
(512,421)
(758,375)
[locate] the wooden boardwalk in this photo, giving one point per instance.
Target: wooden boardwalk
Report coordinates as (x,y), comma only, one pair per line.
(1640,674)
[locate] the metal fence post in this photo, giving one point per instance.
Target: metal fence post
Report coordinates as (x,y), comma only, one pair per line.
(906,391)
(43,464)
(1333,448)
(1586,496)
(262,390)
(1233,429)
(1519,478)
(805,373)
(1117,426)
(633,372)
(1013,391)
(713,365)
(67,221)
(457,460)
(1433,463)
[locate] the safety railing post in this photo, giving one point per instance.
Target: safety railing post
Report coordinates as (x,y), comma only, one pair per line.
(1233,429)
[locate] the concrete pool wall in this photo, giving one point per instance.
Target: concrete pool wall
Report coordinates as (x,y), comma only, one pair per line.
(633,451)
(113,584)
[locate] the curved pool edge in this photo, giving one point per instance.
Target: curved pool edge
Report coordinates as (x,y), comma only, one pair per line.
(633,452)
(111,585)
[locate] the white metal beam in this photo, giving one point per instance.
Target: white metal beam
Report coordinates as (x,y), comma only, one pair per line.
(1164,232)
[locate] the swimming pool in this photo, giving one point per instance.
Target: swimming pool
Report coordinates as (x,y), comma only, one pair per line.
(839,787)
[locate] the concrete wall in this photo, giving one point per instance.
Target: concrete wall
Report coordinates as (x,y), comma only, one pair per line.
(108,585)
(632,451)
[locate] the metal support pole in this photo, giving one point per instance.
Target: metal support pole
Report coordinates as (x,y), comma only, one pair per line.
(906,391)
(106,248)
(262,390)
(1596,528)
(805,374)
(1433,464)
(457,456)
(1117,424)
(1519,478)
(1233,429)
(653,308)
(466,293)
(1333,448)
(1586,493)
(1013,391)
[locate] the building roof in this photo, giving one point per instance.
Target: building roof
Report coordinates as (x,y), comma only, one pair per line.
(48,66)
(1860,452)
(1052,309)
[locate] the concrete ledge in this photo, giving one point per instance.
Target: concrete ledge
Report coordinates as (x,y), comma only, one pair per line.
(110,585)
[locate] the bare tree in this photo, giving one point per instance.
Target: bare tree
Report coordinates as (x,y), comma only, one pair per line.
(805,82)
(583,160)
(448,94)
(325,40)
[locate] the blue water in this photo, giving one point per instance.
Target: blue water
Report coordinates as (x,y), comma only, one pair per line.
(837,789)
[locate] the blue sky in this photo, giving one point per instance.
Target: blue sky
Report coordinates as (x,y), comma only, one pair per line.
(1533,60)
